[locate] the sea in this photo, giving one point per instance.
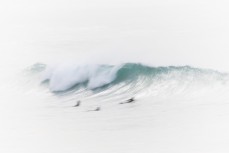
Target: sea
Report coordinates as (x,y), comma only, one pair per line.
(69,69)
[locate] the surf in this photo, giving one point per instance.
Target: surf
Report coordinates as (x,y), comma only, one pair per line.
(133,79)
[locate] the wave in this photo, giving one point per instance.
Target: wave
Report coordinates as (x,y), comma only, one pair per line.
(129,78)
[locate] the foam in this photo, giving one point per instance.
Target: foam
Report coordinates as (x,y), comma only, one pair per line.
(63,77)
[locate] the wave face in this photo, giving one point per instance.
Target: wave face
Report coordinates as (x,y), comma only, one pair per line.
(130,79)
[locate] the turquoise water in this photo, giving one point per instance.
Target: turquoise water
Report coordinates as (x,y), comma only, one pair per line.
(122,81)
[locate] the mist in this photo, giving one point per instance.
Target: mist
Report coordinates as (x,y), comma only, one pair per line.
(156,32)
(176,108)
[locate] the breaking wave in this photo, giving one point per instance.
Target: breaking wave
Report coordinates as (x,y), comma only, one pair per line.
(130,79)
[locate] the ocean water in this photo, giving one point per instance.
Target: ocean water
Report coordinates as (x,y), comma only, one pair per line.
(170,56)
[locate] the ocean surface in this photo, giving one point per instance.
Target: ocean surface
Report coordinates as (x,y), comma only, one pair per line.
(181,107)
(170,56)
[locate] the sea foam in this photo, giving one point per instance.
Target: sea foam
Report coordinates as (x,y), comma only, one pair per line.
(64,77)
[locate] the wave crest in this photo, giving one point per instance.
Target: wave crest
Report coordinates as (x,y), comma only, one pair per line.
(134,75)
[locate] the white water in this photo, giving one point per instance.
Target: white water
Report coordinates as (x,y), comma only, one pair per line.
(33,119)
(63,77)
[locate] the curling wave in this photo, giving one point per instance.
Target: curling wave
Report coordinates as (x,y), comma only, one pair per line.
(131,78)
